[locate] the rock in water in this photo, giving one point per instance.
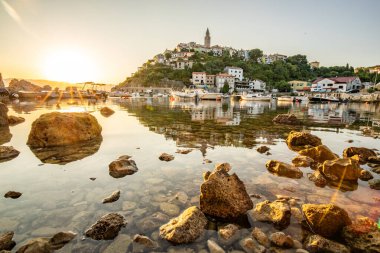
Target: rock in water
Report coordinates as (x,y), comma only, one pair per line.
(319,153)
(325,219)
(214,247)
(261,237)
(318,179)
(374,159)
(228,234)
(166,157)
(362,236)
(317,243)
(6,242)
(282,240)
(262,149)
(302,161)
(365,175)
(250,245)
(297,141)
(22,85)
(224,195)
(283,169)
(287,119)
(61,129)
(12,194)
(61,239)
(8,153)
(3,115)
(341,169)
(14,120)
(112,198)
(107,228)
(185,228)
(106,111)
(122,167)
(40,245)
(277,212)
(363,153)
(374,184)
(143,243)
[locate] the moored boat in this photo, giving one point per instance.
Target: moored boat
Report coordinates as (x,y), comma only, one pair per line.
(256,97)
(286,99)
(29,94)
(319,98)
(211,96)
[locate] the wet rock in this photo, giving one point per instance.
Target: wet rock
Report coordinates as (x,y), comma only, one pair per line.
(318,179)
(277,212)
(297,214)
(6,242)
(169,209)
(143,243)
(250,245)
(281,240)
(214,247)
(107,227)
(12,194)
(222,167)
(62,129)
(106,111)
(152,222)
(376,170)
(317,243)
(228,234)
(363,153)
(8,153)
(3,115)
(262,149)
(185,228)
(261,237)
(180,197)
(374,159)
(61,239)
(14,120)
(362,236)
(122,167)
(287,119)
(374,184)
(5,135)
(319,153)
(183,151)
(205,175)
(341,169)
(224,195)
(207,161)
(325,219)
(283,169)
(112,198)
(166,157)
(40,245)
(120,244)
(365,175)
(297,141)
(302,161)
(92,178)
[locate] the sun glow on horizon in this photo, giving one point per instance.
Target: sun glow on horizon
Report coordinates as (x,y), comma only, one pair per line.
(69,65)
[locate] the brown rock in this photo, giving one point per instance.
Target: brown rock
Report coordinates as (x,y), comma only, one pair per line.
(287,119)
(14,120)
(3,115)
(261,237)
(40,245)
(224,195)
(319,154)
(228,234)
(325,219)
(61,129)
(122,167)
(250,245)
(283,169)
(302,161)
(8,153)
(262,149)
(374,159)
(12,194)
(223,167)
(341,168)
(106,111)
(363,153)
(183,151)
(166,157)
(185,228)
(365,175)
(6,242)
(297,141)
(143,243)
(281,240)
(277,212)
(112,198)
(107,227)
(317,243)
(318,179)
(61,239)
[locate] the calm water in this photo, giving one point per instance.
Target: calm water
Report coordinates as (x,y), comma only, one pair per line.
(62,197)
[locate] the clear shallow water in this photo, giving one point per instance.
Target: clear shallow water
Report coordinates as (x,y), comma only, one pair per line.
(62,197)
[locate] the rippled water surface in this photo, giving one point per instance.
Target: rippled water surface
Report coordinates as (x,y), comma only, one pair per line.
(62,197)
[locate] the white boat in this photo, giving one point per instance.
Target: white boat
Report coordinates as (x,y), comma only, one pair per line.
(256,97)
(184,94)
(135,95)
(302,99)
(210,96)
(319,98)
(29,94)
(286,99)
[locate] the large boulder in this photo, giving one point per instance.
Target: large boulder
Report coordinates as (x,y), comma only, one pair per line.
(362,236)
(224,195)
(3,115)
(297,141)
(317,243)
(14,120)
(6,241)
(341,169)
(5,135)
(122,167)
(185,228)
(107,227)
(8,153)
(283,169)
(363,153)
(47,245)
(62,129)
(319,153)
(287,119)
(325,219)
(22,85)
(277,212)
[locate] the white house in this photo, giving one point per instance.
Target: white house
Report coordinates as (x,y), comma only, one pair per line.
(221,78)
(182,64)
(342,84)
(257,85)
(235,71)
(198,78)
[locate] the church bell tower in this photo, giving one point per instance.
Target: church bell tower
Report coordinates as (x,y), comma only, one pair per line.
(207,39)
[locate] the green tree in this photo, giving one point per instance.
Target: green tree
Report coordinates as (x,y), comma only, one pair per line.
(254,54)
(226,88)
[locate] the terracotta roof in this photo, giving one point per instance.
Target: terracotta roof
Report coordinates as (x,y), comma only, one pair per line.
(341,79)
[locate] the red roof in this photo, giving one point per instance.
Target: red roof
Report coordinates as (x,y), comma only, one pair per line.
(341,79)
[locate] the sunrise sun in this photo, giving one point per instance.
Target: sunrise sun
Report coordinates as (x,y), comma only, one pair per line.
(69,65)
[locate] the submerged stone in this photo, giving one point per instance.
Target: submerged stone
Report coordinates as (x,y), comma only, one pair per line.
(374,184)
(112,198)
(61,239)
(8,153)
(287,119)
(261,237)
(281,240)
(166,157)
(317,243)
(228,234)
(107,227)
(6,241)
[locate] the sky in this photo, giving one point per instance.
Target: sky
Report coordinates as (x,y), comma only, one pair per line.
(105,41)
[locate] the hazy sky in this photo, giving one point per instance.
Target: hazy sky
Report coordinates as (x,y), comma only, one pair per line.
(105,41)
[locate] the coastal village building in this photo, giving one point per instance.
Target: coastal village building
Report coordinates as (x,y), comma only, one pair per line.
(210,80)
(199,78)
(234,71)
(297,85)
(314,64)
(182,64)
(221,78)
(342,84)
(257,85)
(269,59)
